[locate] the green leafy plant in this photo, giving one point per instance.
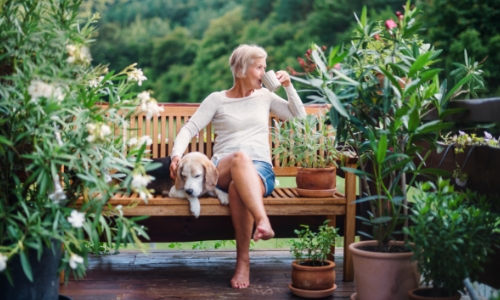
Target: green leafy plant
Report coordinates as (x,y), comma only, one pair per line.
(312,248)
(307,142)
(58,144)
(381,87)
(451,235)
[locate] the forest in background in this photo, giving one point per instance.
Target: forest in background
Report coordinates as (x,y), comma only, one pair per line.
(183,46)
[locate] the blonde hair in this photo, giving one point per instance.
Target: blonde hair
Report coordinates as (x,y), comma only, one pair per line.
(243,57)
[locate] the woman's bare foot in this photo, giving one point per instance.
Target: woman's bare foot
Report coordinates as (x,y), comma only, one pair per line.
(241,278)
(263,232)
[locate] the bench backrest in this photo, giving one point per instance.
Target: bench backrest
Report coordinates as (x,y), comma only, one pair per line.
(164,128)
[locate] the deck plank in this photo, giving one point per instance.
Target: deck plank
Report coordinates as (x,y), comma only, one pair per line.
(164,274)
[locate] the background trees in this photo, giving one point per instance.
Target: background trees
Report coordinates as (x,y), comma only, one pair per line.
(183,46)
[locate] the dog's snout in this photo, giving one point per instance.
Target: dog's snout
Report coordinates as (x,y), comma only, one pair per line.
(189,191)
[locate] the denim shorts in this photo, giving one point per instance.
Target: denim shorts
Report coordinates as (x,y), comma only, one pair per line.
(266,173)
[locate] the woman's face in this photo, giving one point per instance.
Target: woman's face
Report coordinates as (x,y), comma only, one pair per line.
(255,72)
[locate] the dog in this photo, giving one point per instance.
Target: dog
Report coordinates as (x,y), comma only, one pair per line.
(162,183)
(196,176)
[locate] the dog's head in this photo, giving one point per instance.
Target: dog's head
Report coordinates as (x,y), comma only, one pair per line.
(196,174)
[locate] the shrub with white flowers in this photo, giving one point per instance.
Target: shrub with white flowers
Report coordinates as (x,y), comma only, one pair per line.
(58,144)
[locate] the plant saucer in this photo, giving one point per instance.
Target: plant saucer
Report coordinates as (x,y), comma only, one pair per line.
(315,193)
(312,293)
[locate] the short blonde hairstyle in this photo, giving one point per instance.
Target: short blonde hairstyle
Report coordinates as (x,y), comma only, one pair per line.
(243,57)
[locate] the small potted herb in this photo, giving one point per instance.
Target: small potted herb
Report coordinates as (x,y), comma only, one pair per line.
(452,234)
(309,143)
(311,270)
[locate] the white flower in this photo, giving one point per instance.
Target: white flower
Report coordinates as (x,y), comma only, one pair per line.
(144,97)
(152,109)
(58,195)
(90,138)
(487,136)
(276,182)
(76,219)
(105,131)
(461,183)
(3,262)
(137,75)
(119,208)
(140,181)
(132,142)
(71,49)
(74,260)
(85,56)
(93,83)
(461,132)
(145,139)
(70,60)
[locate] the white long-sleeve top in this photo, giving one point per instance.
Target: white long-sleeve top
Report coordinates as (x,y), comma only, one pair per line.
(240,124)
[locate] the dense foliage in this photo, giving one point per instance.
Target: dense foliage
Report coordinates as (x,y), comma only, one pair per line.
(183,46)
(57,145)
(451,235)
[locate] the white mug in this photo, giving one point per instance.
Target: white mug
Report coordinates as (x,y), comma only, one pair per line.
(271,81)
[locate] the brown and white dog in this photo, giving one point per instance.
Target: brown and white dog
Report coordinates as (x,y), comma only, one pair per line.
(196,176)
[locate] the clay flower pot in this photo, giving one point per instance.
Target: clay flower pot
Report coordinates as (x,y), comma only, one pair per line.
(316,182)
(382,276)
(307,277)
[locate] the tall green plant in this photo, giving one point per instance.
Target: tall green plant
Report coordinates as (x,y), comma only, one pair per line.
(57,144)
(381,87)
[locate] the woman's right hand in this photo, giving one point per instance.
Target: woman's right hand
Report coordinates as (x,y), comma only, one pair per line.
(173,166)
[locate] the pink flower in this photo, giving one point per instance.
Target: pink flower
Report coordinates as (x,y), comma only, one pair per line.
(376,37)
(390,24)
(337,66)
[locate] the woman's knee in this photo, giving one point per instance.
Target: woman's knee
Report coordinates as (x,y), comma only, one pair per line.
(240,157)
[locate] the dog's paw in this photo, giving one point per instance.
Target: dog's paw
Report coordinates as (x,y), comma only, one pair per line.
(194,206)
(174,193)
(223,197)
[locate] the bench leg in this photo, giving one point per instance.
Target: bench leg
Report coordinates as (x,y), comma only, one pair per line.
(350,222)
(333,222)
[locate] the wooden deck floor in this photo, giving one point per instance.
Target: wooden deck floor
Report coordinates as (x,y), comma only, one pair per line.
(164,274)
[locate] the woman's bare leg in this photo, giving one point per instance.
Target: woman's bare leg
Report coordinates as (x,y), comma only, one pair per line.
(243,225)
(239,169)
(237,174)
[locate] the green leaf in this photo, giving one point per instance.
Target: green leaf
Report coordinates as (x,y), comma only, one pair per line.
(433,126)
(382,149)
(414,120)
(455,88)
(335,102)
(419,63)
(26,265)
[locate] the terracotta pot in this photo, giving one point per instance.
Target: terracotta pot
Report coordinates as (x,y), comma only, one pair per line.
(316,178)
(421,294)
(313,278)
(382,276)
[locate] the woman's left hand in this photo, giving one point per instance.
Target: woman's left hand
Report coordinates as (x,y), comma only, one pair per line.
(284,78)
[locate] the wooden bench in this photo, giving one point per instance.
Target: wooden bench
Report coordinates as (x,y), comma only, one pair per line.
(171,220)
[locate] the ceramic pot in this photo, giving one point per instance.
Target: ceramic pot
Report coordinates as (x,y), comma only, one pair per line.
(422,294)
(313,277)
(320,180)
(382,276)
(45,285)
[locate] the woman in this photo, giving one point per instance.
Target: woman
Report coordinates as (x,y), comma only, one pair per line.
(240,117)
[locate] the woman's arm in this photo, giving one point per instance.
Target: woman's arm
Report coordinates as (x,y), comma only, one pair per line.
(287,109)
(203,115)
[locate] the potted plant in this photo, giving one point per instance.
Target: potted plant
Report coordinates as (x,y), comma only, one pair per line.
(451,235)
(313,275)
(384,124)
(309,143)
(57,145)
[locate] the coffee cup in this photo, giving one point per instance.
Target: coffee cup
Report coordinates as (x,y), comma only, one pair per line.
(271,81)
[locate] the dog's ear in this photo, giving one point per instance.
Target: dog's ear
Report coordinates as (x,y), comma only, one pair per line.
(179,180)
(211,175)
